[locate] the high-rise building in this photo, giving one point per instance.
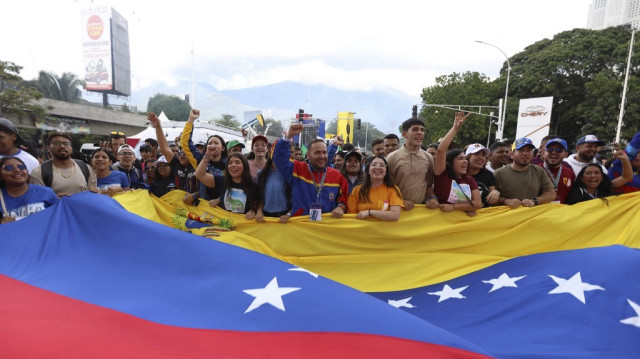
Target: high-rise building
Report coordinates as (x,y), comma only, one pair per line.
(607,13)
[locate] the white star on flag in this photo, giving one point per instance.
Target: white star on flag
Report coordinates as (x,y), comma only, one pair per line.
(574,286)
(298,269)
(635,321)
(503,281)
(401,303)
(447,292)
(271,294)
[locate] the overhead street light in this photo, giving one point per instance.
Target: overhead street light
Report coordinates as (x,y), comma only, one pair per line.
(501,122)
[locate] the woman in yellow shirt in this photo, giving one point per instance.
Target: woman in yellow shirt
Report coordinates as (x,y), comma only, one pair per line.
(376,196)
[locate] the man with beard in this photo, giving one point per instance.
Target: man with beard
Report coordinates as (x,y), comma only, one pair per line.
(63,174)
(521,183)
(182,171)
(560,173)
(315,186)
(498,156)
(586,149)
(377,147)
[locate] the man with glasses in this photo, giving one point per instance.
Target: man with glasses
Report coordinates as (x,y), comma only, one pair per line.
(560,173)
(126,158)
(10,141)
(63,174)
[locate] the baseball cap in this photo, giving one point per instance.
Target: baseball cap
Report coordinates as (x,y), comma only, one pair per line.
(200,143)
(353,153)
(234,143)
(125,147)
(557,140)
(590,139)
(521,142)
(475,148)
(8,126)
(259,138)
(145,147)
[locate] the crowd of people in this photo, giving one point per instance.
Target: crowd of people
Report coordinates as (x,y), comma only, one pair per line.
(277,180)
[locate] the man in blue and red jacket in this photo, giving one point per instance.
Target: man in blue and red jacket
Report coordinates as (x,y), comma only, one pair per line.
(313,184)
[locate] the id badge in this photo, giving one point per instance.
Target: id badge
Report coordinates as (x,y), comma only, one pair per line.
(315,212)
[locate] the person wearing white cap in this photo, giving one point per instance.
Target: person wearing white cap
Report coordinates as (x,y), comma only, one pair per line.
(586,150)
(477,155)
(126,158)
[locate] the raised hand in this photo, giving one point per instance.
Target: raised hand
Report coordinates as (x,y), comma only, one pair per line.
(153,118)
(459,119)
(194,114)
(294,129)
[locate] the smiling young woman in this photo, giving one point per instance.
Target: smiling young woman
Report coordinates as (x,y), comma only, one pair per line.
(377,196)
(18,198)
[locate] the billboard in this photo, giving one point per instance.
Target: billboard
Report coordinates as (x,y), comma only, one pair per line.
(105,48)
(345,126)
(534,118)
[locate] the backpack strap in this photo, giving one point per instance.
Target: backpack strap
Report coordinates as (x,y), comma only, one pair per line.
(46,169)
(84,168)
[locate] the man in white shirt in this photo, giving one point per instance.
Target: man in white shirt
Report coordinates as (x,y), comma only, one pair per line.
(9,142)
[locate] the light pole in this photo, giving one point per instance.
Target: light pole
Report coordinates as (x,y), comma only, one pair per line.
(500,129)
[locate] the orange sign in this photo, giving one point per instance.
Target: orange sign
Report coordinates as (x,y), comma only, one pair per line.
(95,27)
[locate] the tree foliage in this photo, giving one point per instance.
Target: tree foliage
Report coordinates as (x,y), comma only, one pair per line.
(15,96)
(228,121)
(469,88)
(175,108)
(274,130)
(62,88)
(582,69)
(584,72)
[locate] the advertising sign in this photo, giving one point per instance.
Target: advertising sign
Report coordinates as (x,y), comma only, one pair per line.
(96,48)
(345,126)
(534,118)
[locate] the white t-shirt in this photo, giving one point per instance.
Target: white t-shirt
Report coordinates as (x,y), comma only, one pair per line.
(29,161)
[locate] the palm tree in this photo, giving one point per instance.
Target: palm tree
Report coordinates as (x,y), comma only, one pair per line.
(63,88)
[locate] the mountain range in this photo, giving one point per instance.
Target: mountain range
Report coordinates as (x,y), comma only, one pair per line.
(385,108)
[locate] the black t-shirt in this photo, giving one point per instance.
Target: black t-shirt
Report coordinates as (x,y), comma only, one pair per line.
(484,179)
(185,176)
(217,170)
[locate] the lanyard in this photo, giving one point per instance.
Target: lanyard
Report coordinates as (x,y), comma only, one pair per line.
(317,186)
(557,177)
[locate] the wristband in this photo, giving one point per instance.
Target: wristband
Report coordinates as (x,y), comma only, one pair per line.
(432,197)
(535,200)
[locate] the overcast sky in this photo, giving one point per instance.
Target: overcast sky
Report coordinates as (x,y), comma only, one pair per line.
(346,44)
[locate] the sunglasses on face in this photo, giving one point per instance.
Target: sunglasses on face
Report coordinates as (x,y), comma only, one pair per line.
(11,168)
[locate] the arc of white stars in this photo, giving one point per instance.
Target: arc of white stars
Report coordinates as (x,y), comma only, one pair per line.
(401,303)
(574,286)
(271,294)
(447,292)
(503,281)
(635,321)
(298,269)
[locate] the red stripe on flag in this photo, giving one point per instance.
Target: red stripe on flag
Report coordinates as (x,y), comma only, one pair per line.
(36,323)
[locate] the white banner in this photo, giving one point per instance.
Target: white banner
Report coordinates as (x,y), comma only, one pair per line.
(96,48)
(534,118)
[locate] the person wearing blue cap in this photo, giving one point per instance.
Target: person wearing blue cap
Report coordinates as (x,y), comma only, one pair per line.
(521,183)
(560,173)
(616,170)
(586,150)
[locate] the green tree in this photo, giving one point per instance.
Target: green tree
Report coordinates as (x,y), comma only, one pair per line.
(469,88)
(63,88)
(274,130)
(15,97)
(228,121)
(583,70)
(175,108)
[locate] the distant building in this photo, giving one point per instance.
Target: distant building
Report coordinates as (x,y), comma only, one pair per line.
(608,13)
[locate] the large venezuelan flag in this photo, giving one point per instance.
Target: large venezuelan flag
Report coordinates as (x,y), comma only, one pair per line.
(88,278)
